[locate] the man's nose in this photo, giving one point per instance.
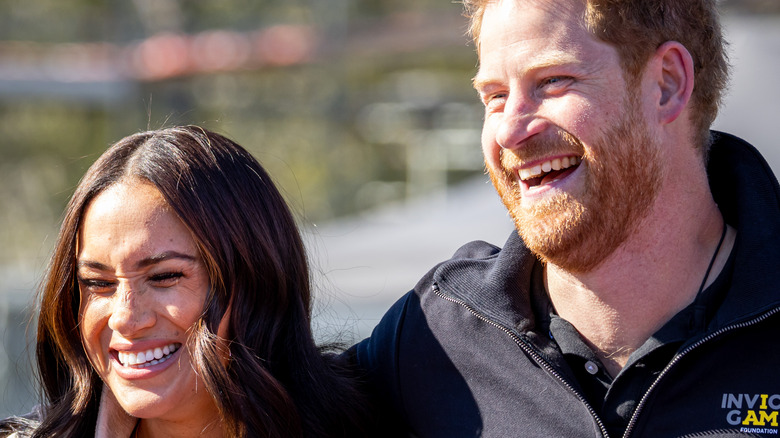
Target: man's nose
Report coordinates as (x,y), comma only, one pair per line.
(131,310)
(520,121)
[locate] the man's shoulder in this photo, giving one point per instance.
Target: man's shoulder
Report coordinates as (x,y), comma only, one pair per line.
(476,249)
(465,262)
(477,272)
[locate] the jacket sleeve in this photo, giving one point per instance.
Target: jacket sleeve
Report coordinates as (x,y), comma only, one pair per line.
(376,360)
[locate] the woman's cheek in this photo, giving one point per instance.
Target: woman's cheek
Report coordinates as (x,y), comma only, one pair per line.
(95,334)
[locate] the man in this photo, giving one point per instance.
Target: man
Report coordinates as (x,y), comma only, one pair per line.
(637,298)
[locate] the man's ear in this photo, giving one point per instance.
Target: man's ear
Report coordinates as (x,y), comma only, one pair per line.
(672,70)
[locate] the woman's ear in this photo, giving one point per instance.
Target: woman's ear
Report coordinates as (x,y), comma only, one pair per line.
(672,72)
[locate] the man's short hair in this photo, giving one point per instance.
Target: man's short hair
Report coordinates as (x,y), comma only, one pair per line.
(636,28)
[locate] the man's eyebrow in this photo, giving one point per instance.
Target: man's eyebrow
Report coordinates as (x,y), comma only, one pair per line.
(480,81)
(555,59)
(148,261)
(479,84)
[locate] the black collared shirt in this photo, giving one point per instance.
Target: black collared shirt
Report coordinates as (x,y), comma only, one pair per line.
(614,399)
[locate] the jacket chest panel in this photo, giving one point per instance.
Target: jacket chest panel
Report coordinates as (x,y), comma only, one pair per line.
(730,383)
(494,390)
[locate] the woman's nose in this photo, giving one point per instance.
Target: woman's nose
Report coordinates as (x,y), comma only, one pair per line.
(131,310)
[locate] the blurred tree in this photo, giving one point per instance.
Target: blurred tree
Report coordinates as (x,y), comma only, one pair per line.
(306,121)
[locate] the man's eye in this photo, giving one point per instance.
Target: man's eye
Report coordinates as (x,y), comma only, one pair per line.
(555,80)
(493,101)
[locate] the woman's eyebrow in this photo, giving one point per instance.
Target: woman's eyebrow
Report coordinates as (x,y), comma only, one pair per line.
(90,264)
(167,255)
(145,262)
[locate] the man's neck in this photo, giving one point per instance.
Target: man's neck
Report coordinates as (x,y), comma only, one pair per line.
(646,281)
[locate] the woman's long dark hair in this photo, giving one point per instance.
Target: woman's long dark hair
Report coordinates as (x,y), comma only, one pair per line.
(276,383)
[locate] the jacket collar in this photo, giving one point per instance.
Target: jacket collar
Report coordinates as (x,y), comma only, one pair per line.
(748,196)
(496,285)
(113,421)
(496,282)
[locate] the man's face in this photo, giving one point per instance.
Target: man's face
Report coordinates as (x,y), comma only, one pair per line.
(565,142)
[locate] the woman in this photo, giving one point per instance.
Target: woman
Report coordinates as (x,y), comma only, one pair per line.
(177,303)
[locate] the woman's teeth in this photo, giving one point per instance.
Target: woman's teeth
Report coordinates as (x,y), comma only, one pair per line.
(548,166)
(148,357)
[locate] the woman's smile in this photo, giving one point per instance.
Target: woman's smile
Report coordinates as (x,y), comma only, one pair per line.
(143,287)
(144,359)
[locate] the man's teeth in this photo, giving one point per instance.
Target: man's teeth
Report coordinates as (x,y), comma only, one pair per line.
(548,166)
(148,357)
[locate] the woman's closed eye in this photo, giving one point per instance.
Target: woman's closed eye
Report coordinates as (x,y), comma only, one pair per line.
(96,285)
(166,279)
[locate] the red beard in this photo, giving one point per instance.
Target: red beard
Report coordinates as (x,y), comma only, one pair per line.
(578,231)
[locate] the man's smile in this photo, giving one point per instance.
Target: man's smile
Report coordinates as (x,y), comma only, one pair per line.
(548,171)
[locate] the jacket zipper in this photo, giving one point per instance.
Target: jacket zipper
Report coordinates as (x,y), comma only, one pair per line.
(531,351)
(677,358)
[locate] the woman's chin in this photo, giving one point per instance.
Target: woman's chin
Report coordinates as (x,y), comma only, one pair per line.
(143,405)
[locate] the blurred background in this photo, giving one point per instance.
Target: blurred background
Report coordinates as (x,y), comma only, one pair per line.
(362,111)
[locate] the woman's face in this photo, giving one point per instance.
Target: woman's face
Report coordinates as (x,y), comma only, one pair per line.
(143,285)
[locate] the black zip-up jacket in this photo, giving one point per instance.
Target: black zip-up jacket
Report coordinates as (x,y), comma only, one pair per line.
(461,355)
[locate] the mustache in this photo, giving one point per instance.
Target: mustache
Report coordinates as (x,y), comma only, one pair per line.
(541,146)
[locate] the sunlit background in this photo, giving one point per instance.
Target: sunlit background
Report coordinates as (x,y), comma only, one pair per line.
(362,111)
